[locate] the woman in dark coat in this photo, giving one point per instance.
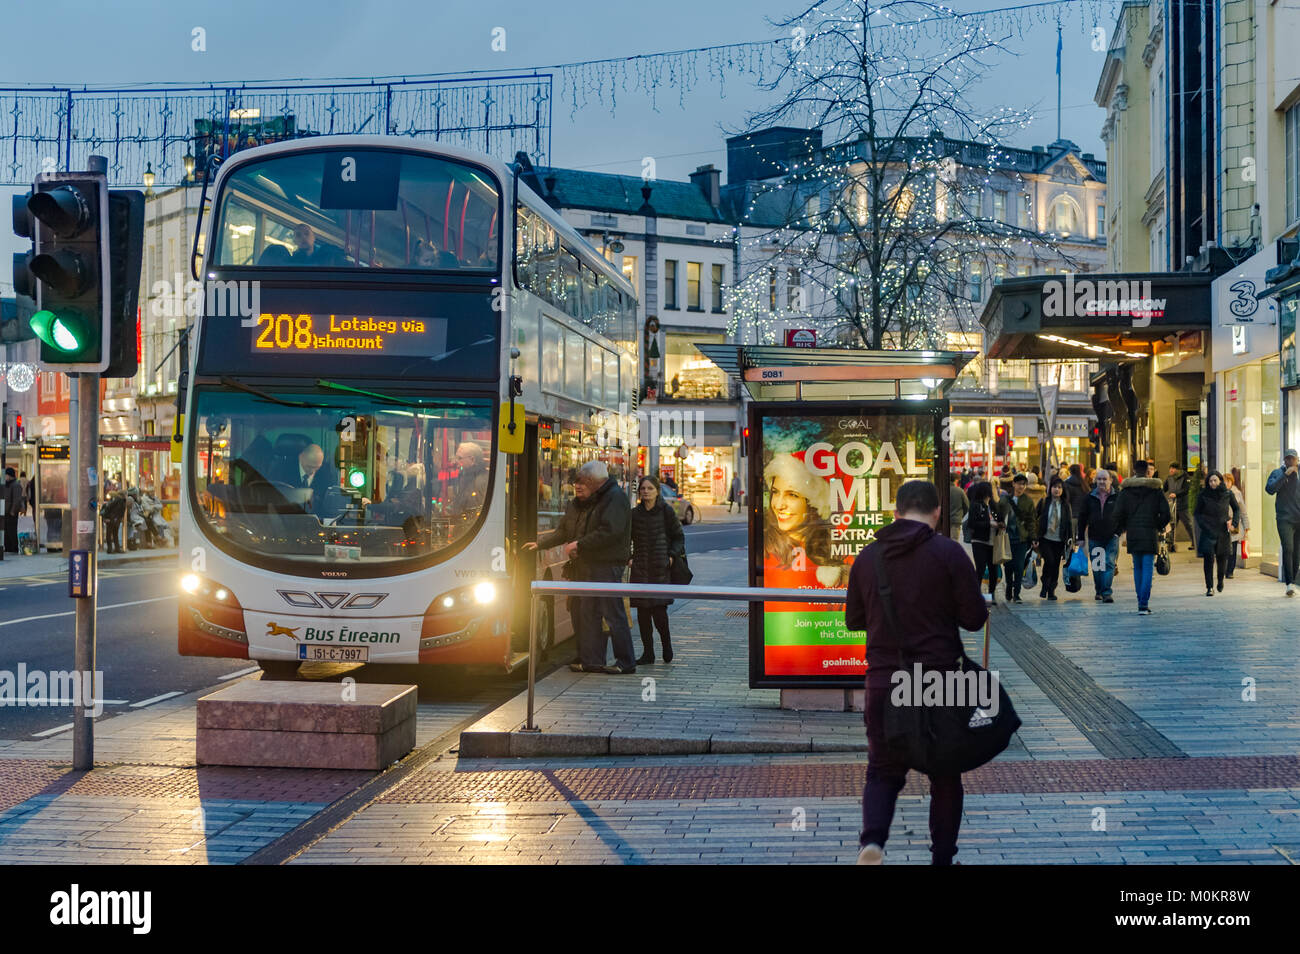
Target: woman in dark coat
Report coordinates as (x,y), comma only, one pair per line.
(1055,532)
(987,517)
(657,539)
(1216,514)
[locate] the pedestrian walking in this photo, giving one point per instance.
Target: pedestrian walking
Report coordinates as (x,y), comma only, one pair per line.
(1284,484)
(1177,489)
(14,501)
(1116,478)
(958,507)
(1055,535)
(1142,513)
(1035,488)
(1097,527)
(1076,488)
(733,498)
(988,515)
(934,592)
(657,540)
(1216,516)
(1236,549)
(595,531)
(1022,531)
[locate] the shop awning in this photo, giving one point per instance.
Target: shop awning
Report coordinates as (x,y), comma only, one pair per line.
(773,373)
(1093,316)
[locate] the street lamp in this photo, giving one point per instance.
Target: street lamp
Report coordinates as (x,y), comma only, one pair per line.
(189,165)
(148,178)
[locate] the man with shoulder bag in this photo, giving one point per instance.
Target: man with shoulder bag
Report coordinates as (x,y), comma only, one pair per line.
(911,589)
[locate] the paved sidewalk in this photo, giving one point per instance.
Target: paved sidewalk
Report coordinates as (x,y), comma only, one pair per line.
(147,801)
(1163,739)
(17,566)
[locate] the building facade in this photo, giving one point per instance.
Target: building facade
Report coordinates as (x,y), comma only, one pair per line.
(676,248)
(1046,205)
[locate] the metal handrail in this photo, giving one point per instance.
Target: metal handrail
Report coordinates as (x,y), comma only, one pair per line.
(740,594)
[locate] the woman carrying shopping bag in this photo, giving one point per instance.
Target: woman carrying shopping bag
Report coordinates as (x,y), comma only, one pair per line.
(1055,531)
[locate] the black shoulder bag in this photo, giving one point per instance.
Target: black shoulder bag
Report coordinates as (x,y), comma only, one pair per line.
(679,571)
(943,739)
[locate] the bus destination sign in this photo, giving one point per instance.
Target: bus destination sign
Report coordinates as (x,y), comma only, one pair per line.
(349,334)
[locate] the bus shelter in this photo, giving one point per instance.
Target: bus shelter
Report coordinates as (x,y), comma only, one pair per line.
(832,435)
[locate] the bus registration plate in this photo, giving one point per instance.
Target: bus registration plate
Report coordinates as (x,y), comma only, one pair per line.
(353,654)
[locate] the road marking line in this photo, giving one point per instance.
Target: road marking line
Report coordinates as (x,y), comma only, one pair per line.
(57,728)
(149,702)
(29,619)
(236,675)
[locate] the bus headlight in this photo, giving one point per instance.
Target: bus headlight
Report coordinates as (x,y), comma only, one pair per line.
(467,599)
(190,582)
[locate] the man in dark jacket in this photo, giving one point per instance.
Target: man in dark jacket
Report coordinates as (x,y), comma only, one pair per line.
(1284,484)
(1097,520)
(1142,512)
(14,499)
(1021,534)
(596,533)
(1176,489)
(935,591)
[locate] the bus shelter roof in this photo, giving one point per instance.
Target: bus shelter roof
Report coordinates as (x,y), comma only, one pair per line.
(774,373)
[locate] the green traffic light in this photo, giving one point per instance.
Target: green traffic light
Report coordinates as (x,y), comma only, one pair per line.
(66,332)
(356,479)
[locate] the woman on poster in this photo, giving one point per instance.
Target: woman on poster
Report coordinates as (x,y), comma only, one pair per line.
(797,550)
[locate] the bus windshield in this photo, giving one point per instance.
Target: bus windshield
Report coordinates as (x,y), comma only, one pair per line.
(322,476)
(359,208)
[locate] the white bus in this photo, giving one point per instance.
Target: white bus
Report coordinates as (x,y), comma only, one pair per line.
(346,494)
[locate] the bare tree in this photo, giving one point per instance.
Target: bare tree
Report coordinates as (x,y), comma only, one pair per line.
(885,221)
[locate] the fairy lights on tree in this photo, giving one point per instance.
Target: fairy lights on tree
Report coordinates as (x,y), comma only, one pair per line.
(884,224)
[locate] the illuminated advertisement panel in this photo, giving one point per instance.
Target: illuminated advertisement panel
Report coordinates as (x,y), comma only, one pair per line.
(823,479)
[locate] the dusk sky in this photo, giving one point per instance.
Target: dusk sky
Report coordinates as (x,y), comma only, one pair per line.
(146,41)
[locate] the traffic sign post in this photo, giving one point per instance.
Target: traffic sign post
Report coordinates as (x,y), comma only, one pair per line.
(83,271)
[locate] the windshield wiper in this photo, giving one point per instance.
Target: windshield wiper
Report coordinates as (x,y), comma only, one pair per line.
(335,386)
(258,392)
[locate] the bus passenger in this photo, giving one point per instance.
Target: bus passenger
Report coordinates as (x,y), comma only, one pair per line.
(469,490)
(312,252)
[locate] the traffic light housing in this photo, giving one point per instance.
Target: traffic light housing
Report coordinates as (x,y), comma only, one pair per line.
(1001,442)
(126,255)
(67,270)
(744,442)
(1094,435)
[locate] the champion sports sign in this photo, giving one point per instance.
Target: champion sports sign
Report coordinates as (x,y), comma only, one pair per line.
(1115,298)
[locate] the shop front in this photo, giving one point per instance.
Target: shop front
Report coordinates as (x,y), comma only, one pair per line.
(1148,331)
(703,470)
(1245,403)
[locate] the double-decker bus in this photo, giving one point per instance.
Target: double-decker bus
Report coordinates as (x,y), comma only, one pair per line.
(371,325)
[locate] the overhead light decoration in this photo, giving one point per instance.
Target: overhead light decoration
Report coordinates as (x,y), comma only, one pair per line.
(20,377)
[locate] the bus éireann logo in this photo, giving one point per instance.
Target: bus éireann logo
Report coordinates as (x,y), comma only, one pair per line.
(274,629)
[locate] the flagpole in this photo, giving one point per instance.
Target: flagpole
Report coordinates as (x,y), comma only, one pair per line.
(1058,79)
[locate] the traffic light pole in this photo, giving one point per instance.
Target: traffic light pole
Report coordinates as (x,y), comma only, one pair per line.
(84,418)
